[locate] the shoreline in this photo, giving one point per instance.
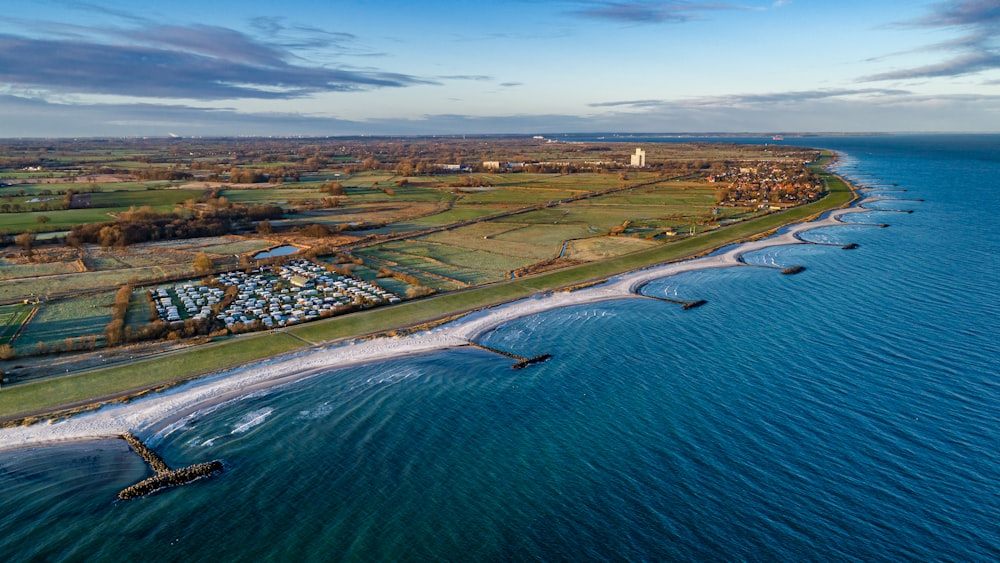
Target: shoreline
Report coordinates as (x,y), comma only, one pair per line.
(158,414)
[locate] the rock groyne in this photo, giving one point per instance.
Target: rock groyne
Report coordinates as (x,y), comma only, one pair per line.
(522,361)
(155,462)
(528,361)
(165,477)
(173,478)
(685,305)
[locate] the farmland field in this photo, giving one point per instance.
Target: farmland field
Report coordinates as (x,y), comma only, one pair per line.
(516,197)
(237,247)
(21,288)
(11,319)
(547,235)
(67,318)
(9,270)
(443,218)
(463,257)
(98,259)
(599,248)
(161,200)
(271,195)
(139,311)
(192,243)
(61,219)
(503,243)
(425,257)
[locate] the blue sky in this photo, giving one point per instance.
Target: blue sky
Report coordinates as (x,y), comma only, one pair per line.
(341,67)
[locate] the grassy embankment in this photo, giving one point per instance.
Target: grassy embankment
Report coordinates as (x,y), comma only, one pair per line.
(139,376)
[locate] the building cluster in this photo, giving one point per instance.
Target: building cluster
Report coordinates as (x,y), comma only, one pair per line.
(278,296)
(768,185)
(196,300)
(502,165)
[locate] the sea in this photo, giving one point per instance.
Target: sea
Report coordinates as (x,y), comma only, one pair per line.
(847,413)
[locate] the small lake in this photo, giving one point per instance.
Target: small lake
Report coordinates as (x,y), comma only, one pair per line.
(277,251)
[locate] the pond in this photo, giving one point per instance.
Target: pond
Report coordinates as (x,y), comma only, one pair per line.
(277,251)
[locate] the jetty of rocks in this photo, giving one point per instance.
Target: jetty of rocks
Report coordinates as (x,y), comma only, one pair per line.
(685,305)
(165,477)
(522,361)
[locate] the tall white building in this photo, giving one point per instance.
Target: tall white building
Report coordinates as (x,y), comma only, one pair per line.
(639,158)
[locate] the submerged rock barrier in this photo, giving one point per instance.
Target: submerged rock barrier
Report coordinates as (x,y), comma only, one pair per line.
(165,477)
(522,361)
(500,352)
(685,305)
(528,361)
(792,270)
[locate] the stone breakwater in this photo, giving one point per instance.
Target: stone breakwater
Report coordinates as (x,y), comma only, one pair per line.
(165,477)
(154,461)
(522,361)
(171,479)
(791,271)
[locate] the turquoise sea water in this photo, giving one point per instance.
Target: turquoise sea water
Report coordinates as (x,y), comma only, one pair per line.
(849,412)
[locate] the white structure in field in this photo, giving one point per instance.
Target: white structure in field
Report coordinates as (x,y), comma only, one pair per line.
(639,158)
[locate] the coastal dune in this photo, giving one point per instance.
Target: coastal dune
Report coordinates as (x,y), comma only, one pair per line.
(158,411)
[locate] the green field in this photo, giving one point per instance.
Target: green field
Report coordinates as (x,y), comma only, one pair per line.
(66,318)
(160,200)
(272,195)
(435,260)
(59,220)
(11,319)
(138,375)
(600,248)
(11,175)
(504,241)
(22,288)
(11,271)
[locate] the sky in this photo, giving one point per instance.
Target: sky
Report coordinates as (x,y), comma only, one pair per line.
(96,68)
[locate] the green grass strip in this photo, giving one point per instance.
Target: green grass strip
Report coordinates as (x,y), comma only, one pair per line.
(141,374)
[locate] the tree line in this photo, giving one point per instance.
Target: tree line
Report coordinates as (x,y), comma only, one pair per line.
(147,225)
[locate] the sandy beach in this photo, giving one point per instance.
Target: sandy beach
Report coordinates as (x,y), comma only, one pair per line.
(150,414)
